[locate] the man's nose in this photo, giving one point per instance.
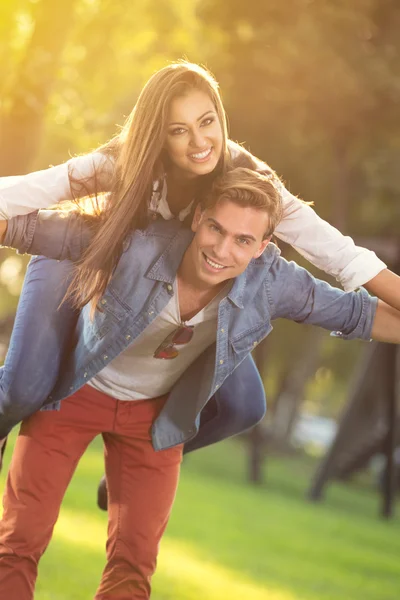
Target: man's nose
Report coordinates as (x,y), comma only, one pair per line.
(222,248)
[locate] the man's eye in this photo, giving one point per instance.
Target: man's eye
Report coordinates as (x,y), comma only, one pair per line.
(214,227)
(243,241)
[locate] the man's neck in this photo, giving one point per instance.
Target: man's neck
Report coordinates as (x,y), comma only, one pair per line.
(193,294)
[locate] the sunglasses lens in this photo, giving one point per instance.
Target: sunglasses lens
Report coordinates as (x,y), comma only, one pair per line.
(183,335)
(166,353)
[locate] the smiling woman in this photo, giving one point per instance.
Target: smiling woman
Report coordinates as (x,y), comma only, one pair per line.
(194,135)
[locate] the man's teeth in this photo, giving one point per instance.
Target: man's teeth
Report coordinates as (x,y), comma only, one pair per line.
(201,154)
(213,264)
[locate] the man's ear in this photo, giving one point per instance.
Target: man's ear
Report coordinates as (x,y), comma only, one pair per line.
(196,218)
(262,247)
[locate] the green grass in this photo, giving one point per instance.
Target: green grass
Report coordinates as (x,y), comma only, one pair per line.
(228,540)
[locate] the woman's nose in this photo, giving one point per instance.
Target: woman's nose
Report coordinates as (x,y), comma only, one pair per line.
(197,139)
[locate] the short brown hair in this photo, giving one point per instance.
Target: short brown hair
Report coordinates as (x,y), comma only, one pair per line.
(248,188)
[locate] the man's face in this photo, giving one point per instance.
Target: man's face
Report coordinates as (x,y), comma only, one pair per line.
(227,237)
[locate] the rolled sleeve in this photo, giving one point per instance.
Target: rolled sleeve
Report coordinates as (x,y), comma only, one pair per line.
(363,329)
(20,232)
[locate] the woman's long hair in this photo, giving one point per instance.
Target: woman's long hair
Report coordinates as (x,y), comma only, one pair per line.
(137,152)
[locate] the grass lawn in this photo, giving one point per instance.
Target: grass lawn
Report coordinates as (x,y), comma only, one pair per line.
(228,540)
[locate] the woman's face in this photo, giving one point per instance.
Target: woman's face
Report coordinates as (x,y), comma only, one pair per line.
(194,135)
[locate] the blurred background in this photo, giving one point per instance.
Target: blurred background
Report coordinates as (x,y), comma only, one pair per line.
(313,88)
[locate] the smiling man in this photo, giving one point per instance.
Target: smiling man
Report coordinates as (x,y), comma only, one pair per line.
(180,313)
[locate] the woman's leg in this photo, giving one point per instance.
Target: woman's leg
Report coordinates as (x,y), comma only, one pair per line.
(39,339)
(48,448)
(238,405)
(142,485)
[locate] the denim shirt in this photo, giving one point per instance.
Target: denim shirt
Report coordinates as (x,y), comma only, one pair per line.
(142,285)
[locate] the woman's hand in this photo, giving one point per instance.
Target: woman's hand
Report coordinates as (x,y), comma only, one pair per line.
(386,286)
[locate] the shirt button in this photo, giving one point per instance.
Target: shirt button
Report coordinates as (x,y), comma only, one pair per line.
(255,343)
(105,357)
(85,374)
(169,287)
(221,362)
(128,337)
(222,330)
(71,388)
(104,301)
(151,312)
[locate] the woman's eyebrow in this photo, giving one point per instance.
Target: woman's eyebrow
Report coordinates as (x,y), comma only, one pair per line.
(199,119)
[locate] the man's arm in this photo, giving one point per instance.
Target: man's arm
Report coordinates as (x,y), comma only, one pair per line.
(55,234)
(386,325)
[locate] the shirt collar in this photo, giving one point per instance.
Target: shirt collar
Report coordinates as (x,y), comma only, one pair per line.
(159,203)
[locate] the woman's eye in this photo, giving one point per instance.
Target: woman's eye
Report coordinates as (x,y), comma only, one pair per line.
(207,121)
(177,131)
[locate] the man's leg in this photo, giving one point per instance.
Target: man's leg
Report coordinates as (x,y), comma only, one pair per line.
(238,405)
(46,453)
(142,485)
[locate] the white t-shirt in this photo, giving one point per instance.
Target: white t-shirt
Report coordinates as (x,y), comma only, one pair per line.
(136,375)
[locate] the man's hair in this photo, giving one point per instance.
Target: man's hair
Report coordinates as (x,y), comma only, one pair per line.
(246,187)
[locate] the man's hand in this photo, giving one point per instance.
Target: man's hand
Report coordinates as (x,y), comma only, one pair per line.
(386,327)
(3,230)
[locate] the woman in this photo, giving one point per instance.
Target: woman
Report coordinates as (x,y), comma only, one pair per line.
(168,152)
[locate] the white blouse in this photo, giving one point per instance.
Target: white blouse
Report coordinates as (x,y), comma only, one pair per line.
(316,240)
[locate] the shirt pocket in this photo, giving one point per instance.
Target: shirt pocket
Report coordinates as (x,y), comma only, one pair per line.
(108,315)
(243,343)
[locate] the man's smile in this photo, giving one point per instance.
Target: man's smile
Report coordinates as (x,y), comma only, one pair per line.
(214,265)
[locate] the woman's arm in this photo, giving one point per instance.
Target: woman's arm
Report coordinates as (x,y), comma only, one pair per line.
(79,176)
(325,247)
(386,285)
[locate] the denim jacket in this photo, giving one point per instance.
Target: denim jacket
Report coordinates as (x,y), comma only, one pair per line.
(141,287)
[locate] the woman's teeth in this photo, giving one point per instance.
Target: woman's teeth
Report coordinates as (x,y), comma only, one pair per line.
(213,264)
(201,155)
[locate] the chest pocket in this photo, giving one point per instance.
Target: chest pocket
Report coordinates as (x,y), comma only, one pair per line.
(109,313)
(245,342)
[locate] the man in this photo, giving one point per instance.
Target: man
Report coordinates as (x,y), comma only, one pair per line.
(182,310)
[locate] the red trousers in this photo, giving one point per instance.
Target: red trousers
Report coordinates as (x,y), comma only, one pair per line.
(141,486)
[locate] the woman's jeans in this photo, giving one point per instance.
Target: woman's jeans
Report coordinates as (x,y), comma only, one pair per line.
(42,336)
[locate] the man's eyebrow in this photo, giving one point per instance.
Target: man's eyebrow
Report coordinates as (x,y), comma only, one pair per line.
(246,236)
(199,119)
